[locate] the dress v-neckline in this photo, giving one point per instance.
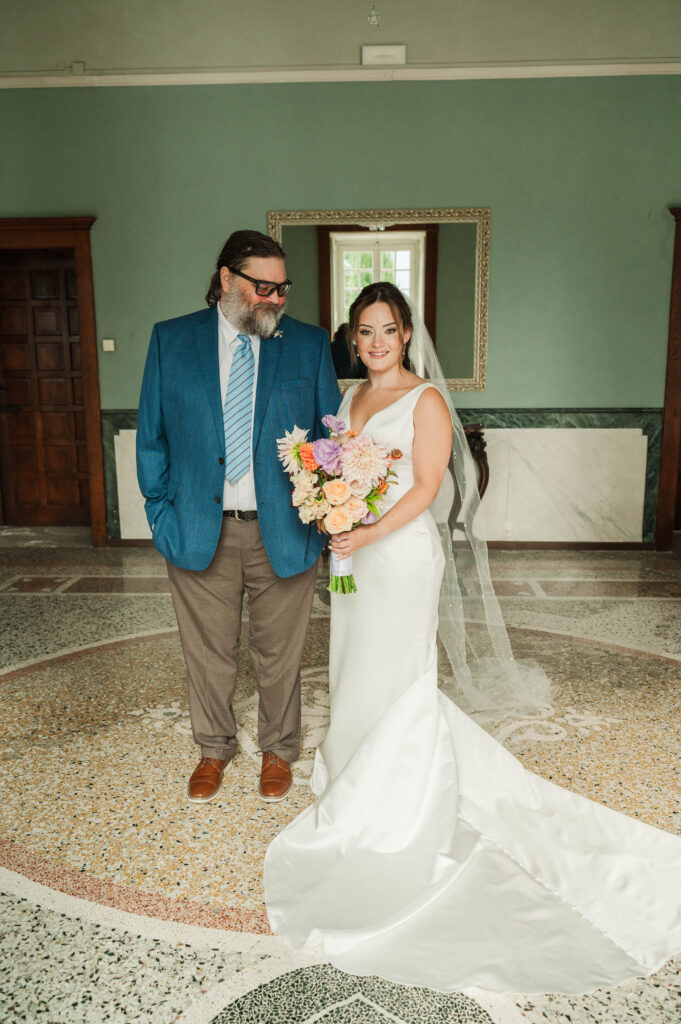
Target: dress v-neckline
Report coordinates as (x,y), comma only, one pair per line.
(378,411)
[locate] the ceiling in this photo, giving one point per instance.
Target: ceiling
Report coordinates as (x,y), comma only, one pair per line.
(264,40)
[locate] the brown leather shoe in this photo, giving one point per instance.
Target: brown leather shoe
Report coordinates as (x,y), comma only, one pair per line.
(206,779)
(275,778)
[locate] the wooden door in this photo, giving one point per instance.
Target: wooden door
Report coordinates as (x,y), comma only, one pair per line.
(677,513)
(668,506)
(43,449)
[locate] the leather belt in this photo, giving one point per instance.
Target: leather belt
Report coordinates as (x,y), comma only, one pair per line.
(247,515)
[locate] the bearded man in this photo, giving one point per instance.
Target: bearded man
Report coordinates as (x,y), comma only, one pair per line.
(220,386)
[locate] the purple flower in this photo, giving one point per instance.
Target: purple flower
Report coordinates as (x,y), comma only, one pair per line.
(333,424)
(370,518)
(327,454)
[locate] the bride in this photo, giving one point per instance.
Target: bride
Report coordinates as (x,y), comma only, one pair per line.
(431,857)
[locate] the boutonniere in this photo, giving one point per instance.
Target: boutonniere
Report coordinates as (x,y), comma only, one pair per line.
(278,334)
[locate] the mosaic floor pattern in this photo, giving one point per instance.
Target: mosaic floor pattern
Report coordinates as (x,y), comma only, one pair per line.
(121,901)
(323,994)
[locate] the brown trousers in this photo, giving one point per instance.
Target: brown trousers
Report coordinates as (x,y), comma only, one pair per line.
(208,608)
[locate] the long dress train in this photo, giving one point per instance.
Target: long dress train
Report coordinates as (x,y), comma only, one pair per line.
(431,856)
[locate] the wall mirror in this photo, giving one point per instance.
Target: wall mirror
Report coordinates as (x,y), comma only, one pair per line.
(440,257)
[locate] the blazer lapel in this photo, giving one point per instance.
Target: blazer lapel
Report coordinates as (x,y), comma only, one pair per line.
(206,344)
(270,354)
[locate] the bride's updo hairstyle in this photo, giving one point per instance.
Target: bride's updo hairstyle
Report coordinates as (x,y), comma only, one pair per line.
(390,294)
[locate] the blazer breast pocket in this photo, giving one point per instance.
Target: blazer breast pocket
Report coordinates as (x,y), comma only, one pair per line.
(292,403)
(294,384)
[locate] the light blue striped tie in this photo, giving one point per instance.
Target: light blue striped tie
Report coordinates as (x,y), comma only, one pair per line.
(238,412)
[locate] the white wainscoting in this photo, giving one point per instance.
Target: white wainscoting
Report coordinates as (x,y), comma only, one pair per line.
(547,484)
(564,484)
(132,517)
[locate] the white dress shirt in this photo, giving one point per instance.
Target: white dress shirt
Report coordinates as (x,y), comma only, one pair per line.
(239,495)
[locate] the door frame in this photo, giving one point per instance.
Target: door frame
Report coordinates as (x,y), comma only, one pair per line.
(671,423)
(74,233)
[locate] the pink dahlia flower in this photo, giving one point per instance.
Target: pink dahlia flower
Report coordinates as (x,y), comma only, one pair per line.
(364,461)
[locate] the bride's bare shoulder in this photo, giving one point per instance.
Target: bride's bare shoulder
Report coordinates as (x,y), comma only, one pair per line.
(432,405)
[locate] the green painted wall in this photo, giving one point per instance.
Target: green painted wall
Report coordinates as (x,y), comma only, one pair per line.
(300,246)
(578,175)
(455,323)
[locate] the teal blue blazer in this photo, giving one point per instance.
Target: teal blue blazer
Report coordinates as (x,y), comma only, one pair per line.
(181,444)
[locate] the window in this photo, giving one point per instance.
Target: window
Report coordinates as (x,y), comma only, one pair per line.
(360,258)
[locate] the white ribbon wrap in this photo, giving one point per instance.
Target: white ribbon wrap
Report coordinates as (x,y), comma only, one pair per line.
(340,566)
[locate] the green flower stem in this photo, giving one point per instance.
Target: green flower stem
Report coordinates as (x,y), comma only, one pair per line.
(342,585)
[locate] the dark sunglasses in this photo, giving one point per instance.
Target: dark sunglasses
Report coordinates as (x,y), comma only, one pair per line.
(264,288)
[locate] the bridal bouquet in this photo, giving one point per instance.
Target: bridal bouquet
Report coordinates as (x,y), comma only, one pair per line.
(338,484)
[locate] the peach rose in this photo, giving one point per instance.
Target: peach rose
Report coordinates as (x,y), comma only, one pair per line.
(357,508)
(339,520)
(336,491)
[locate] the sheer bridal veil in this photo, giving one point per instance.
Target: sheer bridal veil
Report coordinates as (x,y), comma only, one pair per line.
(480,673)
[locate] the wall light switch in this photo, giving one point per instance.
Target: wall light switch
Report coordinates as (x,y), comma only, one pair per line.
(108,345)
(387,54)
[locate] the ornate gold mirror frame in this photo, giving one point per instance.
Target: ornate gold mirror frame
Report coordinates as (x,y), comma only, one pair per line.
(375,220)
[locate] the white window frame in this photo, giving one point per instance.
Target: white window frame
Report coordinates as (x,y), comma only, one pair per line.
(377,242)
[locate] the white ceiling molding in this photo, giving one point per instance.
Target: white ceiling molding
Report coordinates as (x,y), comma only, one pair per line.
(414,73)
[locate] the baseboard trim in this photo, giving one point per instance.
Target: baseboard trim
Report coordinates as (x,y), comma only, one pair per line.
(497,545)
(99,77)
(129,542)
(569,545)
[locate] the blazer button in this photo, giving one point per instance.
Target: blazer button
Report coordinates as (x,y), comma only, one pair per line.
(217,501)
(221,462)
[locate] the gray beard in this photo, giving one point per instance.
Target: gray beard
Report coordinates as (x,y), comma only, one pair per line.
(262,319)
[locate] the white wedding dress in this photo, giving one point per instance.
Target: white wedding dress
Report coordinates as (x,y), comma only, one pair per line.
(431,857)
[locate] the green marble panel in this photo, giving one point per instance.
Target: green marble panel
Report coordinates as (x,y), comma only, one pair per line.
(113,420)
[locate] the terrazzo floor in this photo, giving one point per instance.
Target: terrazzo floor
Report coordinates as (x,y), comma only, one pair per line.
(122,902)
